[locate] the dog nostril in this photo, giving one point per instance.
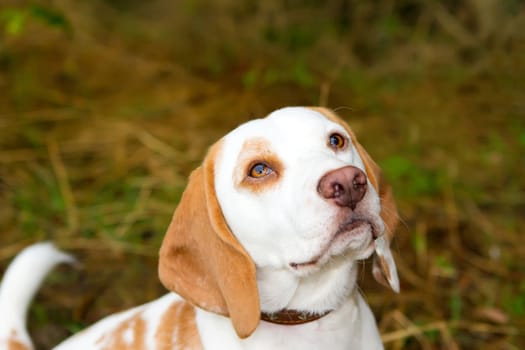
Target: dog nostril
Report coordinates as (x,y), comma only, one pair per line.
(359,182)
(338,189)
(359,178)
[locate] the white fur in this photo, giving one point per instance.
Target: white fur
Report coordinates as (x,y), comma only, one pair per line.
(352,326)
(19,285)
(290,222)
(285,224)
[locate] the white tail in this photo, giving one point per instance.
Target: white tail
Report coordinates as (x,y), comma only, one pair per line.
(19,285)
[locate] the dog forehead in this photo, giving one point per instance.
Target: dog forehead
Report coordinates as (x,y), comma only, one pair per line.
(282,129)
(286,134)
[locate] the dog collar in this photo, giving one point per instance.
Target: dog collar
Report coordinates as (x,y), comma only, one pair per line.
(292,317)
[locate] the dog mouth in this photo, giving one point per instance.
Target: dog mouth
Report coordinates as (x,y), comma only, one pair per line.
(353,230)
(352,225)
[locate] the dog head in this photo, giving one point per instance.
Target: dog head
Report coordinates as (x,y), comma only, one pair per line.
(286,201)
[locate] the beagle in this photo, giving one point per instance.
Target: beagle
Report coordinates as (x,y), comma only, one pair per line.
(262,252)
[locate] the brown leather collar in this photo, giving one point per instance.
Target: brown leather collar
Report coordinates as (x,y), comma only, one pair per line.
(291,317)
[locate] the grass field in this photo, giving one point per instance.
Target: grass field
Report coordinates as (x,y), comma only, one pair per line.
(107,106)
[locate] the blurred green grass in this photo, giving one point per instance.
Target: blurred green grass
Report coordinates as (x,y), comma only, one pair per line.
(106,106)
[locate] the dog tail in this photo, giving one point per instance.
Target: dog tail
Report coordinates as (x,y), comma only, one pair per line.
(18,287)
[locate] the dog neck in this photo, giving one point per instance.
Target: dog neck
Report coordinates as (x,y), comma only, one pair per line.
(283,294)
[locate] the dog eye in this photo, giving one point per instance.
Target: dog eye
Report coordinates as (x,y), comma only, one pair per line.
(259,170)
(336,141)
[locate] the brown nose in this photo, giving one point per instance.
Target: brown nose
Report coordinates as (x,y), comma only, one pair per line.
(344,186)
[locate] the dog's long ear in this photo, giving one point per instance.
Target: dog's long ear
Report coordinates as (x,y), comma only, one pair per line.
(201,260)
(384,268)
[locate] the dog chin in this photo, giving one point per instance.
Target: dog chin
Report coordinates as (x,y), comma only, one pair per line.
(354,241)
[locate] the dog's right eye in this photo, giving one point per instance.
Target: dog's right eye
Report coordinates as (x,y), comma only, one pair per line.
(259,170)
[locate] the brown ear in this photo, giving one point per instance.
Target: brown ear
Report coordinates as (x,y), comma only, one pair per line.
(384,268)
(201,260)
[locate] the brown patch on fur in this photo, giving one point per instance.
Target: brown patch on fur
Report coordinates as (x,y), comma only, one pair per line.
(256,150)
(16,345)
(13,344)
(177,328)
(117,338)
